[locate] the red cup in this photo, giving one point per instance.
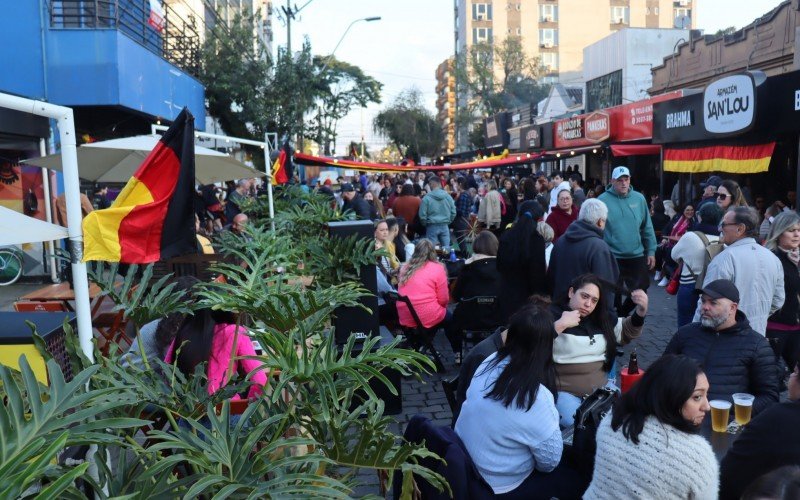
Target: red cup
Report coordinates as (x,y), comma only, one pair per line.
(629,379)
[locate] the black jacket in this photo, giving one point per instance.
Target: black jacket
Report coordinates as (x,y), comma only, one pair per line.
(579,251)
(788,314)
(522,266)
(770,441)
(479,278)
(358,205)
(736,359)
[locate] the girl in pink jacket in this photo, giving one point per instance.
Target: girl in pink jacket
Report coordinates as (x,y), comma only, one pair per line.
(208,336)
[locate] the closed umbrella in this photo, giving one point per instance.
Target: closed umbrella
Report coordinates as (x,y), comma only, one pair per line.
(116,160)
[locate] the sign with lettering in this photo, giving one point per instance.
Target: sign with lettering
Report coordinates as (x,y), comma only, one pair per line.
(570,129)
(729,104)
(530,137)
(597,126)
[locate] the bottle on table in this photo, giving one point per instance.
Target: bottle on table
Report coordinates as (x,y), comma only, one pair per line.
(633,364)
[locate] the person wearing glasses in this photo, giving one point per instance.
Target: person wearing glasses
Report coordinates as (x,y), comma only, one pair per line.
(729,194)
(755,270)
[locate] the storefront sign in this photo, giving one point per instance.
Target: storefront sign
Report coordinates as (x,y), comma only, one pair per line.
(679,120)
(530,137)
(497,131)
(570,129)
(597,126)
(634,121)
(729,105)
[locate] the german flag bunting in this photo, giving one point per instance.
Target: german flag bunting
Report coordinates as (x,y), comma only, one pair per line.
(153,217)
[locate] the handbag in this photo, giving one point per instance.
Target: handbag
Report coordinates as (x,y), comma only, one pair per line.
(674,281)
(587,420)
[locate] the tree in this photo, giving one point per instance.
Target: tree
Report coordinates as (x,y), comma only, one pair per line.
(495,77)
(342,86)
(410,126)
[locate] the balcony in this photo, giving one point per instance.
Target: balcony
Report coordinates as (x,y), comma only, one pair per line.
(103,54)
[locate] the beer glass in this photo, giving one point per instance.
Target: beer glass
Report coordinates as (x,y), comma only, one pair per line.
(720,413)
(743,407)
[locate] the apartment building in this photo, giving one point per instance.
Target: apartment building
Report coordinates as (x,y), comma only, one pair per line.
(446,103)
(556,31)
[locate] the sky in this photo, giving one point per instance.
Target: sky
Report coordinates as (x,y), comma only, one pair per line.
(413,37)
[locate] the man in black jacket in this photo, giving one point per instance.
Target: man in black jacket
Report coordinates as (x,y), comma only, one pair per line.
(353,201)
(734,356)
(582,250)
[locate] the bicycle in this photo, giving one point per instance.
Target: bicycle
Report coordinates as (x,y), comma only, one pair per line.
(10,265)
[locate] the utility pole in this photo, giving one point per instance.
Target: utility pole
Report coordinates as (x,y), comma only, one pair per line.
(288,13)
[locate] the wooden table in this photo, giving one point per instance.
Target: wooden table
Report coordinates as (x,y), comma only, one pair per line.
(62,292)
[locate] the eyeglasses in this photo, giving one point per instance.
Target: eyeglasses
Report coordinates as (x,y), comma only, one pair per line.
(723,224)
(722,196)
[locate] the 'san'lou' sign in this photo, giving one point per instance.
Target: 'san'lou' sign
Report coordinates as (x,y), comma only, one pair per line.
(729,104)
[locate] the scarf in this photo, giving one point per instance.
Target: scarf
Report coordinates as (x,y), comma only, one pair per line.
(679,228)
(793,255)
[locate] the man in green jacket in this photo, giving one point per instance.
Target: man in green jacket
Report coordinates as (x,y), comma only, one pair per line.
(629,233)
(436,212)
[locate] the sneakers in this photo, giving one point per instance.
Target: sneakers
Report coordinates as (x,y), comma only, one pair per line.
(664,281)
(657,276)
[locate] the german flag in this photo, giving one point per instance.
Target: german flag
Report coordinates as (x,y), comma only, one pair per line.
(153,217)
(734,159)
(279,173)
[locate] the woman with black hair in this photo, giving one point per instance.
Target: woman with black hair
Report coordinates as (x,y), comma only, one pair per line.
(588,335)
(521,261)
(208,336)
(509,423)
(648,447)
(155,337)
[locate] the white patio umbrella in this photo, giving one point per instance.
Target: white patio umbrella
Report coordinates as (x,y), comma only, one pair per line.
(17,228)
(116,160)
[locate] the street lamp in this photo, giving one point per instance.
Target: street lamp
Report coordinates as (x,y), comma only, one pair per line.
(330,57)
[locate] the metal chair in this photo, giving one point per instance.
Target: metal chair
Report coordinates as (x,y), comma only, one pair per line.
(419,337)
(476,317)
(450,387)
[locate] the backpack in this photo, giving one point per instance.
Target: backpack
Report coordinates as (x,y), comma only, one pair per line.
(711,251)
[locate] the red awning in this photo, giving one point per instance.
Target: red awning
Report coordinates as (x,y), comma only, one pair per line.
(510,160)
(635,149)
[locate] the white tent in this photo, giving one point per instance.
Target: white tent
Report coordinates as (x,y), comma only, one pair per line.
(16,229)
(116,160)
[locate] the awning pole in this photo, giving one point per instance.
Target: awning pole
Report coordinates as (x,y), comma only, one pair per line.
(661,177)
(268,169)
(48,212)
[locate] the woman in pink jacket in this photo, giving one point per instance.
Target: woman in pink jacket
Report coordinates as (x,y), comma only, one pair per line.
(424,281)
(208,336)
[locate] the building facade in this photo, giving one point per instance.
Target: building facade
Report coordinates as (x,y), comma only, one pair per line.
(556,31)
(767,44)
(446,103)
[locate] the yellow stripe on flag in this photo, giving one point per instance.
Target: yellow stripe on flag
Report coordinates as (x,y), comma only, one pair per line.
(101,227)
(718,165)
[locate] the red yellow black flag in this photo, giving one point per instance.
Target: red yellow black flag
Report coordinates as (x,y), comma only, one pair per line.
(153,217)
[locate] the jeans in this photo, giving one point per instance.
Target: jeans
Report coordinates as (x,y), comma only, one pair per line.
(687,303)
(633,275)
(438,234)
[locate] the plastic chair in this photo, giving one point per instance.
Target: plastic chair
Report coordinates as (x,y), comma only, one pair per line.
(419,337)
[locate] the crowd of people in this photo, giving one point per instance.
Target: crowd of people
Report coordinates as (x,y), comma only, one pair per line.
(567,265)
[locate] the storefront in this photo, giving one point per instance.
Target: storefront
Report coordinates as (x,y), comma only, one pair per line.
(742,126)
(22,188)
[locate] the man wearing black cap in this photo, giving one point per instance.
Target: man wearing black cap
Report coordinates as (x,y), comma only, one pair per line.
(734,356)
(354,202)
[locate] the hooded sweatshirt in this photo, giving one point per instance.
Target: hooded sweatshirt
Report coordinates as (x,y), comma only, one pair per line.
(629,231)
(437,207)
(579,251)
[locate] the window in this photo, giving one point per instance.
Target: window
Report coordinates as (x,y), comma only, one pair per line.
(548,37)
(620,15)
(683,12)
(481,12)
(549,61)
(655,10)
(549,80)
(481,35)
(548,13)
(519,31)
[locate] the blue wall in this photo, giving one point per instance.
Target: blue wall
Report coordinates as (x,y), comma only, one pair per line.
(99,67)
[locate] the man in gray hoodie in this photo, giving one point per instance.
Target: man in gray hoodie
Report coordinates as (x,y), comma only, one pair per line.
(436,212)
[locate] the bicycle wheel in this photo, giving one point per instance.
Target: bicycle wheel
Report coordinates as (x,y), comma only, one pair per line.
(10,267)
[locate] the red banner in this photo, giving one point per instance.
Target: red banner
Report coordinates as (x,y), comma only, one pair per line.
(634,121)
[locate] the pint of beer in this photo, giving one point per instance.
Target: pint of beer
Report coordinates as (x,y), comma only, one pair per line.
(720,413)
(743,407)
